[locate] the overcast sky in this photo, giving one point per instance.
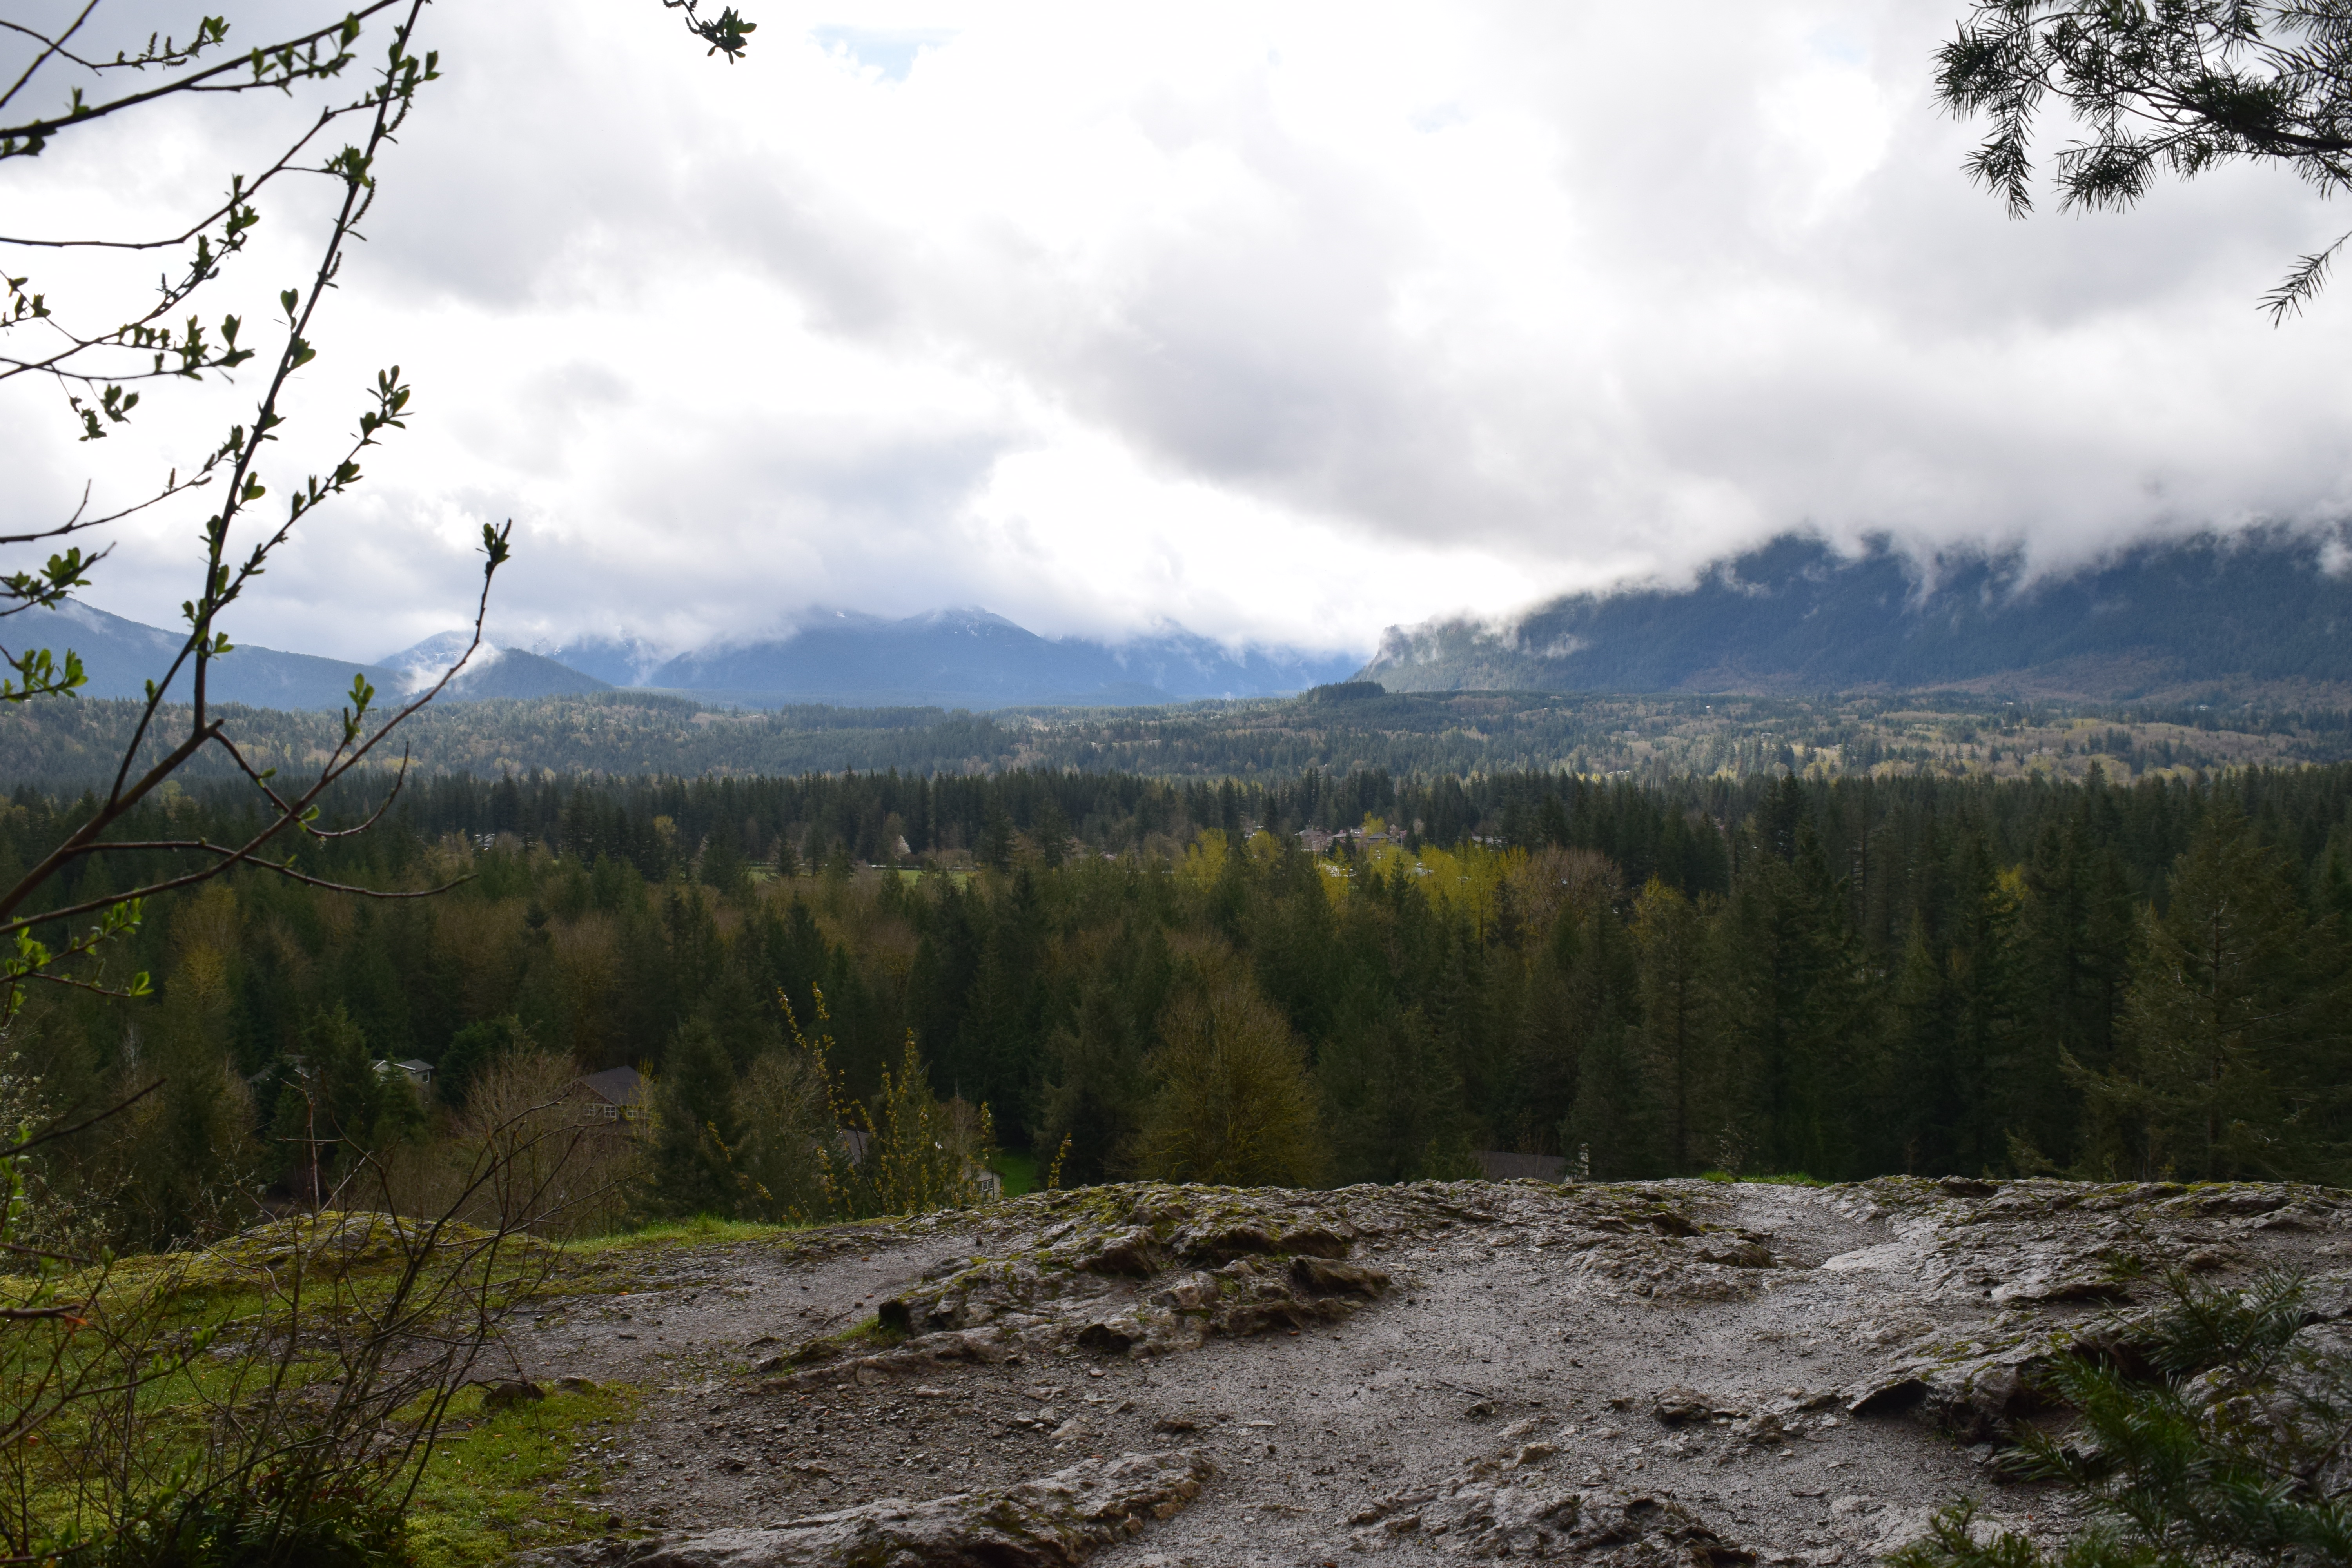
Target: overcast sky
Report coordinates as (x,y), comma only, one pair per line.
(1283,322)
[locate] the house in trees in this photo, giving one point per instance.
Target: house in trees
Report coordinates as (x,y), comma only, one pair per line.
(616,1094)
(418,1072)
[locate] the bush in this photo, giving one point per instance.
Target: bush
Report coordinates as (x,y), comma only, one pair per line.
(2222,1436)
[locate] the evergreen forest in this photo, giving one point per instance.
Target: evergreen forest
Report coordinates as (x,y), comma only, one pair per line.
(1333,979)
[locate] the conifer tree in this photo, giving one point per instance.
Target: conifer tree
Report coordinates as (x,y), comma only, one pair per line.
(697,1125)
(1676,1047)
(1094,1083)
(2226,1014)
(1395,1102)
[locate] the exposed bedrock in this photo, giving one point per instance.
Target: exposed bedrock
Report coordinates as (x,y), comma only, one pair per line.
(1053,1521)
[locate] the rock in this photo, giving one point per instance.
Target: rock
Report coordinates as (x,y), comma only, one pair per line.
(1525,1516)
(507,1393)
(2060,1284)
(1134,1251)
(1188,1293)
(1734,1252)
(1052,1523)
(1681,1407)
(1219,1239)
(1974,1387)
(1116,1334)
(1324,1277)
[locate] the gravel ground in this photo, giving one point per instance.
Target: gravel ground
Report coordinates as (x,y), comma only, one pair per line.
(1802,1371)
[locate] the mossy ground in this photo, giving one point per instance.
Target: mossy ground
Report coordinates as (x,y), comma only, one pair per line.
(503,1481)
(703,1230)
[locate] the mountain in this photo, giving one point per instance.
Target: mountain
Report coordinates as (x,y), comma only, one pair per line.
(958,658)
(971,658)
(621,660)
(121,655)
(2259,610)
(492,672)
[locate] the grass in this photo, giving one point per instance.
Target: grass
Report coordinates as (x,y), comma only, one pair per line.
(1779,1178)
(486,1494)
(1018,1169)
(703,1230)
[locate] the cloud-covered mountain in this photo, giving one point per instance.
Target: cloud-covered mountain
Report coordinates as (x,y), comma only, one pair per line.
(958,658)
(963,658)
(621,660)
(2260,611)
(493,671)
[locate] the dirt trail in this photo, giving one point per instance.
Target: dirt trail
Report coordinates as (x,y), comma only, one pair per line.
(1667,1372)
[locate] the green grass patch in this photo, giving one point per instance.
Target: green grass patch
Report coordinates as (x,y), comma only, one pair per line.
(703,1230)
(1018,1168)
(485,1495)
(870,1335)
(1778,1179)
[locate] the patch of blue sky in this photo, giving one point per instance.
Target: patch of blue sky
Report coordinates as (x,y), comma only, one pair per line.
(889,52)
(1837,46)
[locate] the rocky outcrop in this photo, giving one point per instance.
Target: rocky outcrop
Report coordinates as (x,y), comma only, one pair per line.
(1051,1522)
(2043,1243)
(2030,1249)
(1530,1516)
(1151,1269)
(1679,1372)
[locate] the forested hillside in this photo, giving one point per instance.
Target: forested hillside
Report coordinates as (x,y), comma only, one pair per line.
(1339,727)
(1764,974)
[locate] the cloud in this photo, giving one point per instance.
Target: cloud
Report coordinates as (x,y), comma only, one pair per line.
(1284,321)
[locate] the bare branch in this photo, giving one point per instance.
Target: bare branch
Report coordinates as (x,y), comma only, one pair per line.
(207,79)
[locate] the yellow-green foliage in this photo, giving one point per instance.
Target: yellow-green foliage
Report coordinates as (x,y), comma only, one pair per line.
(484,1493)
(703,1230)
(1233,1103)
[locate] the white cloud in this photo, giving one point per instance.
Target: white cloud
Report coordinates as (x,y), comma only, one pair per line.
(1279,320)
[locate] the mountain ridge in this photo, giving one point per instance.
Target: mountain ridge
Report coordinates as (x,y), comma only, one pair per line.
(2172,620)
(120,656)
(960,656)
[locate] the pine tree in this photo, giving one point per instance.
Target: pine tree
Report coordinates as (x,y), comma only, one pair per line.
(722,866)
(1676,1045)
(696,1126)
(1395,1102)
(2225,1016)
(1094,1081)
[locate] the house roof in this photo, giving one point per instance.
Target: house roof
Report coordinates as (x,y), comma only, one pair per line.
(415,1064)
(616,1086)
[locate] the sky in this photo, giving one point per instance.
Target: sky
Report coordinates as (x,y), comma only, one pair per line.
(1284,322)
